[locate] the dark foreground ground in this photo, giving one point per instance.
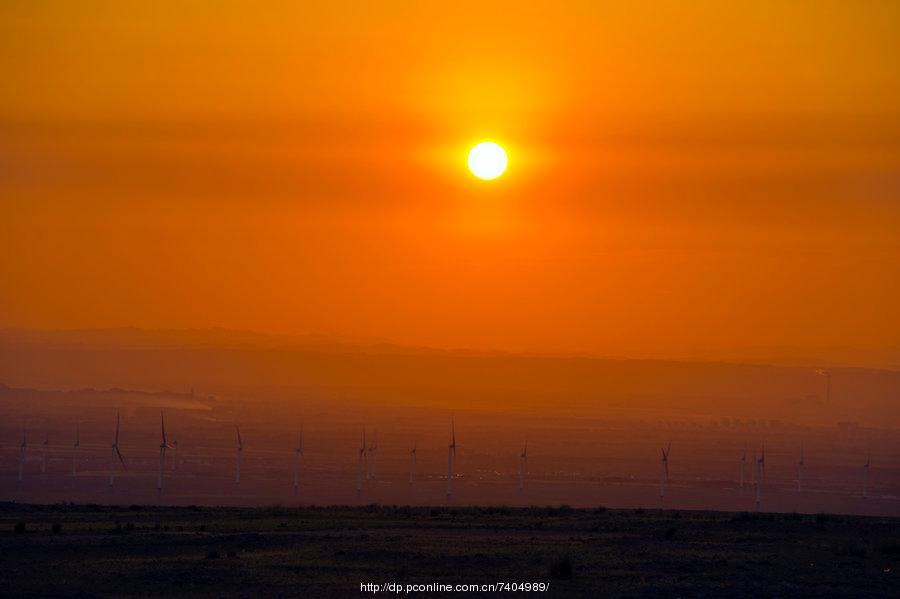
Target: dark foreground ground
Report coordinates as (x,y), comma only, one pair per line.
(328,552)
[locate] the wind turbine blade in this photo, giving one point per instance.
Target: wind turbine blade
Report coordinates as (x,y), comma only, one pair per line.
(121,458)
(240,442)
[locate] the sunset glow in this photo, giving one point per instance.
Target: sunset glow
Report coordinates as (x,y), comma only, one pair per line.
(726,155)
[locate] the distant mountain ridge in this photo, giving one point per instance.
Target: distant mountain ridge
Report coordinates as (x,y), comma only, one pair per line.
(6,390)
(229,362)
(221,338)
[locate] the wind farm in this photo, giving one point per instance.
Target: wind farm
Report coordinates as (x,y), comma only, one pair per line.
(601,460)
(609,485)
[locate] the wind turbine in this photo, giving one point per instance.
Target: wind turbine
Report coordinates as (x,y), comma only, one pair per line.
(163,445)
(370,457)
(237,456)
(23,448)
(412,463)
(298,453)
(664,470)
(451,458)
(866,476)
(361,464)
(44,452)
(827,375)
(743,466)
(75,448)
(800,465)
(115,453)
(523,467)
(760,471)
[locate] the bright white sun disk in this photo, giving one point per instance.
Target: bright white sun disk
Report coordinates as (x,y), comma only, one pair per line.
(487,160)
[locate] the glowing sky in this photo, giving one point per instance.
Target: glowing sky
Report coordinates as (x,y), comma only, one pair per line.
(683,177)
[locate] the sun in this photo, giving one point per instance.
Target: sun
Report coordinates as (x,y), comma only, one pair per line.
(487,160)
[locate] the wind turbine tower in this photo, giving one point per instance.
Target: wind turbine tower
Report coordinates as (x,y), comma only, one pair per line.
(370,457)
(238,454)
(451,458)
(664,470)
(298,453)
(44,446)
(75,447)
(412,464)
(23,448)
(866,476)
(163,445)
(827,375)
(115,453)
(523,467)
(760,472)
(361,465)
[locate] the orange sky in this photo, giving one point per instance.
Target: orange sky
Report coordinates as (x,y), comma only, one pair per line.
(684,177)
